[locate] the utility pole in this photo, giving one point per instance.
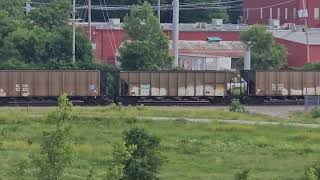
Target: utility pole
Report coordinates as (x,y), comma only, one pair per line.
(74,32)
(175,5)
(305,15)
(159,10)
(247,59)
(89,20)
(28,7)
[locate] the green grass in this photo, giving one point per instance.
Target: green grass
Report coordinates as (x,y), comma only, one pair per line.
(193,151)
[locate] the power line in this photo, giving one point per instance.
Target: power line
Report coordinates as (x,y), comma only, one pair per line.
(104,17)
(114,41)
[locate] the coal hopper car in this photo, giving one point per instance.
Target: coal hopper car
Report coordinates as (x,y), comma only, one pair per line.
(294,85)
(174,86)
(44,85)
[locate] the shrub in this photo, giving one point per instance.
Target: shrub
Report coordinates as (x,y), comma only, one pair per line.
(316,168)
(116,107)
(91,175)
(56,151)
(145,162)
(140,107)
(121,154)
(242,175)
(310,174)
(315,113)
(236,106)
(21,170)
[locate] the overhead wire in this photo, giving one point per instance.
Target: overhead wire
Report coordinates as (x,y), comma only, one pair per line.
(111,42)
(114,41)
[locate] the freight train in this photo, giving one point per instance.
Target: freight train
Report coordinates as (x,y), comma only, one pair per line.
(93,87)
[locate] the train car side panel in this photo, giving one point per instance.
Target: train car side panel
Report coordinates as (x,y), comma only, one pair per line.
(40,83)
(296,84)
(175,83)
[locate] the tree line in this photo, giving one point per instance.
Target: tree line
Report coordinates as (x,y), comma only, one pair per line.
(41,39)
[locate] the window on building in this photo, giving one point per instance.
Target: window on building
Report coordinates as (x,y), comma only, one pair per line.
(294,13)
(279,15)
(261,13)
(286,13)
(316,13)
(270,13)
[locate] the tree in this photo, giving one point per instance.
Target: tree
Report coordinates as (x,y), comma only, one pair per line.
(265,53)
(42,39)
(7,26)
(13,7)
(121,154)
(202,15)
(56,152)
(49,17)
(30,44)
(145,160)
(148,47)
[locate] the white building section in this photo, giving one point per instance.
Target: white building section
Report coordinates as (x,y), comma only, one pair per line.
(204,63)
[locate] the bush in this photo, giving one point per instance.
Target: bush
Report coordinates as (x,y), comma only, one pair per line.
(116,107)
(315,113)
(316,168)
(242,175)
(310,174)
(56,150)
(236,106)
(145,162)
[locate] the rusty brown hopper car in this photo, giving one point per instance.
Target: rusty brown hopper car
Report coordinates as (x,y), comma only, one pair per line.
(42,83)
(175,83)
(283,83)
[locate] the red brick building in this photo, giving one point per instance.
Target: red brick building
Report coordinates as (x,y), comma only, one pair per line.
(106,41)
(260,11)
(296,44)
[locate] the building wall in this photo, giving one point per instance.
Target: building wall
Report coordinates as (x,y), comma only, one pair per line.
(205,63)
(260,11)
(297,53)
(312,5)
(108,41)
(315,54)
(106,47)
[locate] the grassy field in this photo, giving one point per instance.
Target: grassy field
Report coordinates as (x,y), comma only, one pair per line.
(193,150)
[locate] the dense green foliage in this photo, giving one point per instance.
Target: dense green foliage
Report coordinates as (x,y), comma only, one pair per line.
(315,113)
(242,175)
(148,47)
(42,39)
(315,66)
(222,150)
(56,151)
(121,154)
(265,53)
(236,106)
(145,162)
(13,7)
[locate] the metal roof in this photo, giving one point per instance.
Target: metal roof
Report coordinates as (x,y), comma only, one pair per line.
(233,49)
(299,37)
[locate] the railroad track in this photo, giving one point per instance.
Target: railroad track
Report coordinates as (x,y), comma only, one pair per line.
(157,103)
